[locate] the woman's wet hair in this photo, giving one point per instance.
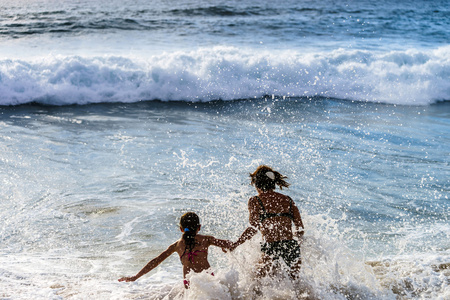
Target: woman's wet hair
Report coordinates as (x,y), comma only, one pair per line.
(189,222)
(266,179)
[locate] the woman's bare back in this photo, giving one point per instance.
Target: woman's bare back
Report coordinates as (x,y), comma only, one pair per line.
(276,227)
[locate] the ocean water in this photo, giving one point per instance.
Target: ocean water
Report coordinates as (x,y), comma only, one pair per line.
(117,117)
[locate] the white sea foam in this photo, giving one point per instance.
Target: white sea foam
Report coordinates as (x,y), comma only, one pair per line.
(413,77)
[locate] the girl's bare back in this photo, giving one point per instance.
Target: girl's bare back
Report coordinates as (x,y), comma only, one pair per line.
(196,259)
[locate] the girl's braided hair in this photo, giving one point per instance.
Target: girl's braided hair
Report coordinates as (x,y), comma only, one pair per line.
(189,222)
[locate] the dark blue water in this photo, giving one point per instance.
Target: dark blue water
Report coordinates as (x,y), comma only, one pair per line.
(364,24)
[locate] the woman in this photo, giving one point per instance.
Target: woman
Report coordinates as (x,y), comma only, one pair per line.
(273,213)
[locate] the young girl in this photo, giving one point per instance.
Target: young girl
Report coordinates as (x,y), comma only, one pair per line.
(192,249)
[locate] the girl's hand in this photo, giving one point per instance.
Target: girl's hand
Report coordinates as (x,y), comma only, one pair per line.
(128,279)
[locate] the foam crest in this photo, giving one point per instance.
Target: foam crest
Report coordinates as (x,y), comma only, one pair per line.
(410,77)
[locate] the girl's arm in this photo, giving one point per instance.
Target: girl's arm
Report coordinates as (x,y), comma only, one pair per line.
(224,244)
(152,264)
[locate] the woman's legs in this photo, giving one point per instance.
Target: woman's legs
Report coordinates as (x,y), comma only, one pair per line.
(294,271)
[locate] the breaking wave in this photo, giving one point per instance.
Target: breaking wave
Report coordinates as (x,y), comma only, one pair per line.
(412,77)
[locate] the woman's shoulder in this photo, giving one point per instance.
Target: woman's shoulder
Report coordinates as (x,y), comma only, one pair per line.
(279,194)
(282,196)
(253,201)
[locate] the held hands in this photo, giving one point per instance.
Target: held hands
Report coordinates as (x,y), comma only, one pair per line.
(231,248)
(246,235)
